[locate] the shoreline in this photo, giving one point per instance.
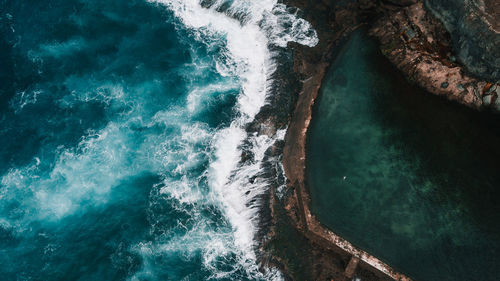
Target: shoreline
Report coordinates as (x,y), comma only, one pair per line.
(311,65)
(330,255)
(294,155)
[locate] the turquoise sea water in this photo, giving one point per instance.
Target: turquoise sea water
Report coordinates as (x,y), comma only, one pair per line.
(120,131)
(409,177)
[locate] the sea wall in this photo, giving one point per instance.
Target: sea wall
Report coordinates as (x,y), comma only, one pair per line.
(328,254)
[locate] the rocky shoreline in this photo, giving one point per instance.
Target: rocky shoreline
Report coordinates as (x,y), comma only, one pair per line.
(430,65)
(418,44)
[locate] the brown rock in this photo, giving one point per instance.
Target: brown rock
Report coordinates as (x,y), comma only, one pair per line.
(419,46)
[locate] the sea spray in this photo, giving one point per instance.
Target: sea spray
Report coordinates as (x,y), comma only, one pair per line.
(250,29)
(122,130)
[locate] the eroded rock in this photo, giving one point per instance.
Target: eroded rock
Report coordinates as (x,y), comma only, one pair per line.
(418,44)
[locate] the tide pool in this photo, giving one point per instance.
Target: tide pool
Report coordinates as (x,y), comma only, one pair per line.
(407,176)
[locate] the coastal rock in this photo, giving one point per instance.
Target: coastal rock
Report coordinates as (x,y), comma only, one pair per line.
(419,45)
(474,26)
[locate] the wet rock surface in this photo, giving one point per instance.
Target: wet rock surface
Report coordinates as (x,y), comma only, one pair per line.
(299,245)
(474,26)
(420,46)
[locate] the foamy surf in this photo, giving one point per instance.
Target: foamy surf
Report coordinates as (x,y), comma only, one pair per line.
(122,142)
(248,29)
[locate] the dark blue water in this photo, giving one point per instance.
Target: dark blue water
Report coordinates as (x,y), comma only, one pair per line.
(120,123)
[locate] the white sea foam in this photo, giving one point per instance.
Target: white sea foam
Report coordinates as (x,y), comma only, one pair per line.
(83,176)
(199,96)
(104,158)
(21,99)
(249,28)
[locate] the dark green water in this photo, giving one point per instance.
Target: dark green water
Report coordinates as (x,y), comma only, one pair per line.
(405,175)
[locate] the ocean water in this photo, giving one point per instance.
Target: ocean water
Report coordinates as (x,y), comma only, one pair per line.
(121,125)
(410,177)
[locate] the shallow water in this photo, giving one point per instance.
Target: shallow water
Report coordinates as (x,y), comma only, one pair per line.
(409,177)
(120,131)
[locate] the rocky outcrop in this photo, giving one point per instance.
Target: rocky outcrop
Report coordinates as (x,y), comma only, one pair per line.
(474,26)
(420,46)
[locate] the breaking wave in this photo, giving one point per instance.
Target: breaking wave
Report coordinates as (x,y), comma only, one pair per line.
(155,152)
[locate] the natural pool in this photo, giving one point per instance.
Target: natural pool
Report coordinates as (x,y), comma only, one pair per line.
(407,176)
